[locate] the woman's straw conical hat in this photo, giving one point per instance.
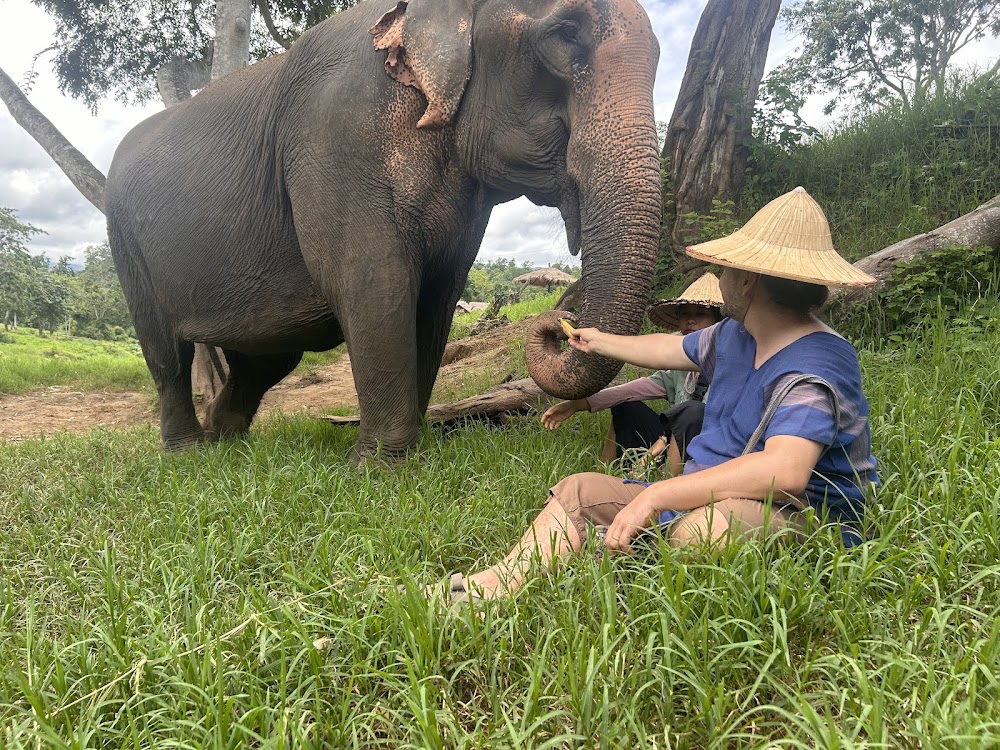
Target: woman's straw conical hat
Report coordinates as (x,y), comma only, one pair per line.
(704,292)
(790,238)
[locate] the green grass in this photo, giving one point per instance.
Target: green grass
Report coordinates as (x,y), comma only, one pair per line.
(29,361)
(533,305)
(244,595)
(313,360)
(895,173)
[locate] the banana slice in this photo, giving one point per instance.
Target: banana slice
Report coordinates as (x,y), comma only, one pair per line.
(567,327)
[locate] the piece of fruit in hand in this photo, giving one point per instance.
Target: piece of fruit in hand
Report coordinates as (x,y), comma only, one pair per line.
(567,327)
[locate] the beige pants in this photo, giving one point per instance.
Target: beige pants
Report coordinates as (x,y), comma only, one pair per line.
(596,499)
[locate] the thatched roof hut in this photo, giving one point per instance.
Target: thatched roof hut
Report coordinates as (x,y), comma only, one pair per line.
(546,277)
(467,307)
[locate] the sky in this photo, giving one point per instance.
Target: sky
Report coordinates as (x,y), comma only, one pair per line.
(44,197)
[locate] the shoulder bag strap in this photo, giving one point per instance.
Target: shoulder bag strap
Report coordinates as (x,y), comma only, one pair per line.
(778,396)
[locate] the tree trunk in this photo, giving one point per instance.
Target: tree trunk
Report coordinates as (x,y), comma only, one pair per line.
(706,143)
(232,36)
(231,51)
(517,397)
(178,78)
(978,228)
(571,299)
(85,176)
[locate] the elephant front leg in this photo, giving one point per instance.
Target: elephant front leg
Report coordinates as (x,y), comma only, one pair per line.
(381,340)
(435,312)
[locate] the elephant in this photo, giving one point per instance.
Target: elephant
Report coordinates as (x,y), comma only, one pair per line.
(340,191)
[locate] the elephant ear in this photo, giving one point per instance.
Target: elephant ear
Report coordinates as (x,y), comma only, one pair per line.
(430,48)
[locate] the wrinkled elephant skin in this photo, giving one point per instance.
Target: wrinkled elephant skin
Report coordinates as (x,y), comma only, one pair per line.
(340,191)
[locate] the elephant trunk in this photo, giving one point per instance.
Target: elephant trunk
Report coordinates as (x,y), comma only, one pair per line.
(617,178)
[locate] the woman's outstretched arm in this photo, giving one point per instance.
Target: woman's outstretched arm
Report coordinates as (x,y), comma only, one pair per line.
(657,351)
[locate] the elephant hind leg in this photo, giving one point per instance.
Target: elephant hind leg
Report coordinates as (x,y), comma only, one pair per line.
(230,413)
(179,426)
(168,357)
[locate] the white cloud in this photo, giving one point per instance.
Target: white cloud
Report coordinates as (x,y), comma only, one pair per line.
(526,233)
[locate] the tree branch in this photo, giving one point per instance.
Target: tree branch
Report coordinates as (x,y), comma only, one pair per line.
(265,13)
(85,176)
(977,228)
(876,68)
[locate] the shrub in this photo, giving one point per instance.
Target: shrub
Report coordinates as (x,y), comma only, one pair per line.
(949,282)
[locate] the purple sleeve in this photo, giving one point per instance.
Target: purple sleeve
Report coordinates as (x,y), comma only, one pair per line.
(636,390)
(699,346)
(806,412)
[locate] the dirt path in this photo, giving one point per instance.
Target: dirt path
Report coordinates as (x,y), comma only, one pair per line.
(49,410)
(60,408)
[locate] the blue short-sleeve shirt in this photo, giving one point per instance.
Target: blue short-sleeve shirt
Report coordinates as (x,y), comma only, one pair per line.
(725,355)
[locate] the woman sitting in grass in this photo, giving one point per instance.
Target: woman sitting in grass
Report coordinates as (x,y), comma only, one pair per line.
(635,426)
(786,428)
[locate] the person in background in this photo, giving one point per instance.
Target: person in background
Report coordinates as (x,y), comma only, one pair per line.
(634,425)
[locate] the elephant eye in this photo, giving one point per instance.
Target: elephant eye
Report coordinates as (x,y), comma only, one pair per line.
(568,32)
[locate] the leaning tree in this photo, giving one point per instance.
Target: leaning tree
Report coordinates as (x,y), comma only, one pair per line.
(705,150)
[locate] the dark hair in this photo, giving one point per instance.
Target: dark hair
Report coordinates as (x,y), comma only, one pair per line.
(798,296)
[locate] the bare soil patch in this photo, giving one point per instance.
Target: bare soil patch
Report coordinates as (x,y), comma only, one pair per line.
(50,410)
(57,408)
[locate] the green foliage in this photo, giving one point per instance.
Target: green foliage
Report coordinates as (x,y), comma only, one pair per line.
(492,277)
(720,221)
(115,47)
(893,173)
(89,303)
(879,51)
(244,594)
(776,118)
(99,308)
(957,283)
(530,304)
(13,233)
(28,362)
(50,303)
(18,269)
(478,287)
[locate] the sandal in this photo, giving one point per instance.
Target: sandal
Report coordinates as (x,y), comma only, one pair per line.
(456,596)
(459,595)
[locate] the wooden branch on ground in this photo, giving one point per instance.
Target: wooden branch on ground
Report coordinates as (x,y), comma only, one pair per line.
(517,397)
(978,228)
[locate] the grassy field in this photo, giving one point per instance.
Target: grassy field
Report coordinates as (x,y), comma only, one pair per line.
(245,595)
(29,361)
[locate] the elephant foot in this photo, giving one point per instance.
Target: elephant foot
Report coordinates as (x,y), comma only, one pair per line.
(363,456)
(177,443)
(221,424)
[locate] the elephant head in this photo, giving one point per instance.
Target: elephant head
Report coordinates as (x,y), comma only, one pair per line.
(552,99)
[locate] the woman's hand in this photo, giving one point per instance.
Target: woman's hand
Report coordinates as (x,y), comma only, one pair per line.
(588,340)
(556,415)
(631,519)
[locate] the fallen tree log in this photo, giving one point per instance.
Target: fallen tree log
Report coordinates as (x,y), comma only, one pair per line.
(516,397)
(978,228)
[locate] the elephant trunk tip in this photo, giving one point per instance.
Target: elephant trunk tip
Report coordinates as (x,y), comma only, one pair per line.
(558,369)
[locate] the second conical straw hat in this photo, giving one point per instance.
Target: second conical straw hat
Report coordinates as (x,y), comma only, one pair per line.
(704,292)
(790,238)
